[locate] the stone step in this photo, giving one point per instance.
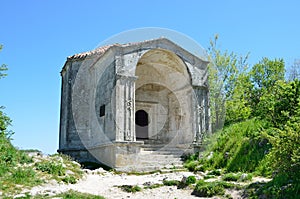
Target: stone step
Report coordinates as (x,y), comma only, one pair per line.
(152,157)
(161,149)
(162,152)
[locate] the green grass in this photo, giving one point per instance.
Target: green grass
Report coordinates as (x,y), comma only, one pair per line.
(76,195)
(51,167)
(231,177)
(71,194)
(130,188)
(15,169)
(18,170)
(239,147)
(191,180)
(153,186)
(280,187)
(208,189)
(171,182)
(215,172)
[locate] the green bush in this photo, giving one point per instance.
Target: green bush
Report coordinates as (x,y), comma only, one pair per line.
(285,154)
(231,177)
(153,186)
(191,165)
(75,195)
(215,172)
(130,188)
(69,180)
(240,147)
(208,189)
(171,182)
(208,176)
(191,180)
(51,168)
(280,187)
(23,175)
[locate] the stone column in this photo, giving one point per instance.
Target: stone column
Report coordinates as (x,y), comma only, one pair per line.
(199,115)
(125,108)
(207,111)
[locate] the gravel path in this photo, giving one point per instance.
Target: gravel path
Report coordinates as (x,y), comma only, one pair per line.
(100,182)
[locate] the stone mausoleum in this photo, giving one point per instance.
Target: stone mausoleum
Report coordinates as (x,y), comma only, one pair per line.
(134,107)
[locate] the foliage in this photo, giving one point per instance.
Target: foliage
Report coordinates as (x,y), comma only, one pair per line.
(17,170)
(264,76)
(51,167)
(191,165)
(5,121)
(75,195)
(10,157)
(215,172)
(208,189)
(190,180)
(238,106)
(281,109)
(224,70)
(21,175)
(71,194)
(231,177)
(69,179)
(238,148)
(3,67)
(14,168)
(130,188)
(171,182)
(280,187)
(281,104)
(242,177)
(153,186)
(293,72)
(285,154)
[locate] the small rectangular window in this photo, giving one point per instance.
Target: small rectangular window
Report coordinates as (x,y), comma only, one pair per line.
(102,110)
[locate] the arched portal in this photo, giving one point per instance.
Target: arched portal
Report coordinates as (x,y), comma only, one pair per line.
(163,89)
(141,124)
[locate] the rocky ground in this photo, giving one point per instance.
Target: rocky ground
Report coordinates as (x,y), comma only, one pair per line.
(104,183)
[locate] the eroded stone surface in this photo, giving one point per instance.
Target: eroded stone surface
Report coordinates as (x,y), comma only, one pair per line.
(103,92)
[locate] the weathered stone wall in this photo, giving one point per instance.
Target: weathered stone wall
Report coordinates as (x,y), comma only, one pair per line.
(69,138)
(157,76)
(105,98)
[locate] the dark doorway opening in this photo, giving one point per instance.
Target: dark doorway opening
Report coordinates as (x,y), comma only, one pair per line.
(141,124)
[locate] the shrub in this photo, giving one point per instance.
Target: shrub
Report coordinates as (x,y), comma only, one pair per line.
(23,175)
(208,176)
(216,172)
(191,165)
(51,168)
(280,187)
(208,189)
(130,188)
(171,182)
(191,180)
(153,186)
(75,195)
(69,179)
(231,177)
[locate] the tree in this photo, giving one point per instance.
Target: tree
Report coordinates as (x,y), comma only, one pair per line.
(263,77)
(226,73)
(281,108)
(293,72)
(5,121)
(3,67)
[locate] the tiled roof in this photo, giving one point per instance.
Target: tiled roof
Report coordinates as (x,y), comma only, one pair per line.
(99,51)
(103,49)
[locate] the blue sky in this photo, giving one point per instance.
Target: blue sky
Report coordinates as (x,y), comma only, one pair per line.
(38,36)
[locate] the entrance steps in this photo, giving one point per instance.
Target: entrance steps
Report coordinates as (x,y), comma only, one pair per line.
(159,157)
